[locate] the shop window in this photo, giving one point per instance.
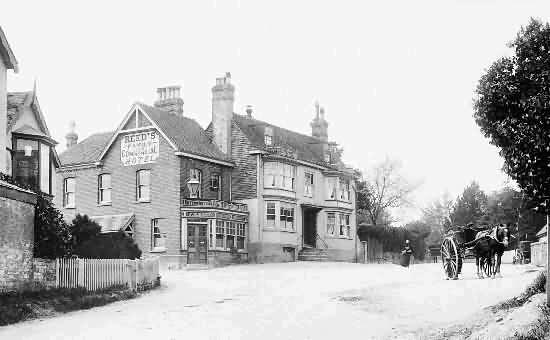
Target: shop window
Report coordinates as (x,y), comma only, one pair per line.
(158,235)
(241,235)
(271,214)
(287,216)
(196,174)
(331,223)
(69,192)
(231,233)
(143,192)
(104,188)
(219,234)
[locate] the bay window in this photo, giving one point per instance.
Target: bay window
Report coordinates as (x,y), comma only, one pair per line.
(286,216)
(231,232)
(332,184)
(104,189)
(308,184)
(344,190)
(241,235)
(331,223)
(220,234)
(270,214)
(32,164)
(279,175)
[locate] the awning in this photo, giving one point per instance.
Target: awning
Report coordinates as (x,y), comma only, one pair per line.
(113,223)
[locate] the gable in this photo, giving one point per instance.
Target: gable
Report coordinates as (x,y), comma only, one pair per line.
(142,120)
(131,124)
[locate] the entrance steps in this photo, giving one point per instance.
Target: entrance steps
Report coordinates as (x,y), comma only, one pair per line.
(313,254)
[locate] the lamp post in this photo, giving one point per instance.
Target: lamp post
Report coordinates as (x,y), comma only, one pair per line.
(193,186)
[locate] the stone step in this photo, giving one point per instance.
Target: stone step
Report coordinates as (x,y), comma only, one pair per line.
(197,267)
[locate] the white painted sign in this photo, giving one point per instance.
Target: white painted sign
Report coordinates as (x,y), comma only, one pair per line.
(139,148)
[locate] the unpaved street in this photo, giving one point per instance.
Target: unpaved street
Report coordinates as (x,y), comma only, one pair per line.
(288,301)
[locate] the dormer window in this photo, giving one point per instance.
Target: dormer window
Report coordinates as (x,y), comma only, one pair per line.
(268,136)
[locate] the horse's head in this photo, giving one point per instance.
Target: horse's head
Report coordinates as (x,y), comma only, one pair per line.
(503,235)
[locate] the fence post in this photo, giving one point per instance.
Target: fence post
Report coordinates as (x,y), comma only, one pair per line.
(80,273)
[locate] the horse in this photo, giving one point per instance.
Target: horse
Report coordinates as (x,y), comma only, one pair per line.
(488,247)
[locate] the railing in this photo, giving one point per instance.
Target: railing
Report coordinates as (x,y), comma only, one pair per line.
(215,204)
(96,274)
(321,240)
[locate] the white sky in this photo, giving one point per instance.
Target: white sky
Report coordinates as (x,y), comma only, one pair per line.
(396,77)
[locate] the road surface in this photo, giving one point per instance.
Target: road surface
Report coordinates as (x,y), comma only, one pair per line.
(300,300)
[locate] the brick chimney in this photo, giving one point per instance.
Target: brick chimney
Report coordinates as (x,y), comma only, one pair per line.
(71,137)
(169,99)
(319,128)
(223,99)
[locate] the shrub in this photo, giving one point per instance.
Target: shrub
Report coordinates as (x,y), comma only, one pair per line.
(52,236)
(83,229)
(115,245)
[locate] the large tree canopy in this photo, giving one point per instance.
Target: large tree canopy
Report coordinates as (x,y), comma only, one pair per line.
(470,207)
(512,108)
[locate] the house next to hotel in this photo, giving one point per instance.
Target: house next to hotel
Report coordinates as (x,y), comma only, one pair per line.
(240,191)
(300,196)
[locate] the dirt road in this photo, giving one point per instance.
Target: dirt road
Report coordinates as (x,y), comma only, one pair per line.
(288,301)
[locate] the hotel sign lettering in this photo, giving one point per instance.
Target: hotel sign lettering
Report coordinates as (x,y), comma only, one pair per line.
(139,148)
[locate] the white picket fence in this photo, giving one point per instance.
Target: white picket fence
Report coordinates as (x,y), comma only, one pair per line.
(96,274)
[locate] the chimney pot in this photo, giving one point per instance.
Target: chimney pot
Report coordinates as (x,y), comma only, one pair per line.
(71,137)
(249,111)
(169,99)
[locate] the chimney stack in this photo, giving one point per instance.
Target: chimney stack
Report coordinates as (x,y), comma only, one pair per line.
(71,137)
(169,99)
(319,128)
(249,111)
(223,99)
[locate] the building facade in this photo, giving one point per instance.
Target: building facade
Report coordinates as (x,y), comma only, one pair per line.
(300,195)
(160,179)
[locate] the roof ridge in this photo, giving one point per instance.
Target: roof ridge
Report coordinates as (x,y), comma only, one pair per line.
(277,126)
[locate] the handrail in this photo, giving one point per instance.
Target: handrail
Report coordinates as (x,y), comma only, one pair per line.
(318,237)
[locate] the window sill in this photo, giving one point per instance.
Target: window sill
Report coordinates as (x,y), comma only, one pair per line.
(102,204)
(239,251)
(279,188)
(158,250)
(287,230)
(70,207)
(142,201)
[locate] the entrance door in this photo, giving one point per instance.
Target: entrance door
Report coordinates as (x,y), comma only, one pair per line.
(310,227)
(197,243)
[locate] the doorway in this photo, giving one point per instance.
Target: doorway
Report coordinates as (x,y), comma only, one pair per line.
(197,244)
(310,226)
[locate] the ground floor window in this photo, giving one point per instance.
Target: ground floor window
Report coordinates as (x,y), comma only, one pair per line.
(271,214)
(286,216)
(280,215)
(158,235)
(228,235)
(331,223)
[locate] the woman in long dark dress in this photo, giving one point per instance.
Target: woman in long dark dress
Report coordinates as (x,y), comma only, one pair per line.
(406,254)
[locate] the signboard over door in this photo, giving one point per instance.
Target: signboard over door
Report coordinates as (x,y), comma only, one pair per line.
(139,148)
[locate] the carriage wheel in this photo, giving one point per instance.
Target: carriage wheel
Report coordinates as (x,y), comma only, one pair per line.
(451,258)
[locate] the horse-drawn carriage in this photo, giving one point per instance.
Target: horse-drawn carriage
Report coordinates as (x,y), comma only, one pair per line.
(470,242)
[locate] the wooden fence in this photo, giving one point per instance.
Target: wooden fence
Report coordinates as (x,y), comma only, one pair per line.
(96,274)
(538,253)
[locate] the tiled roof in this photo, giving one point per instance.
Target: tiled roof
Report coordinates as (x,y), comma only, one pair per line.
(307,148)
(87,151)
(185,133)
(113,223)
(15,100)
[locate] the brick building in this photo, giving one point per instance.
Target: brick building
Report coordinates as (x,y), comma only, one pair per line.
(300,195)
(160,179)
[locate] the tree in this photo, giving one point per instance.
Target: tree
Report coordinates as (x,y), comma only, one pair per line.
(418,231)
(512,108)
(83,229)
(383,188)
(52,236)
(437,215)
(470,207)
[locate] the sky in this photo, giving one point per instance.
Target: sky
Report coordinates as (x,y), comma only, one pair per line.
(396,78)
